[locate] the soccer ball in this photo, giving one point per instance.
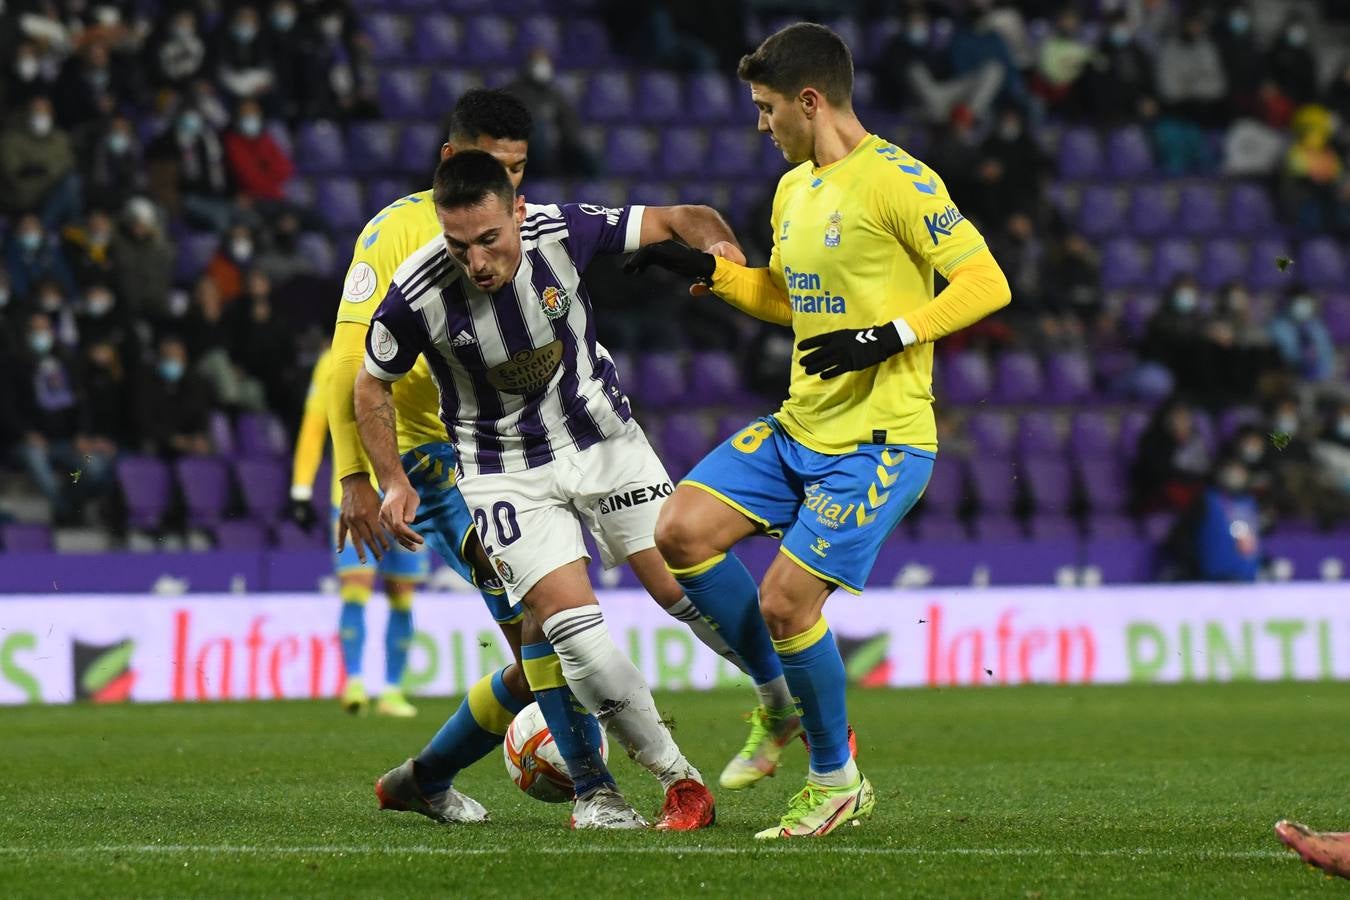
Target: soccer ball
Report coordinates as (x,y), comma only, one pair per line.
(533,760)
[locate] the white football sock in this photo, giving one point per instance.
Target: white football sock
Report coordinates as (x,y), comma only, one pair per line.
(685,611)
(845,777)
(614,690)
(775,694)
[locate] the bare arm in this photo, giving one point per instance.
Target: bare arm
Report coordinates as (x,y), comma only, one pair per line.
(700,227)
(377,423)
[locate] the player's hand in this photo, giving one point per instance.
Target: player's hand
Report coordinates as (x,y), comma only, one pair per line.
(359,516)
(674,257)
(725,250)
(850,350)
(397,513)
(301,512)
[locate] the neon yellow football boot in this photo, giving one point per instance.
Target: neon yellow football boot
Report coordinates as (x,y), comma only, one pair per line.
(818,810)
(393,704)
(770,732)
(354,698)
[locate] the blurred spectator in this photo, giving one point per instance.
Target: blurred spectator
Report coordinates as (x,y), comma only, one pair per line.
(37,167)
(176,50)
(1311,172)
(200,177)
(290,48)
(282,259)
(1332,454)
(232,257)
(1222,531)
(342,78)
(50,299)
(556,148)
(1252,445)
(1248,354)
(1291,63)
(1299,493)
(975,42)
(174,404)
(1062,59)
(259,166)
(88,246)
(1190,75)
(1301,337)
(32,256)
(1338,94)
(652,31)
(106,426)
(1074,276)
(1021,254)
(1172,461)
(1173,336)
(261,342)
(206,334)
(911,67)
(241,60)
(88,85)
(1243,67)
(112,165)
(101,319)
(958,146)
(142,262)
(1011,173)
(1119,78)
(26,77)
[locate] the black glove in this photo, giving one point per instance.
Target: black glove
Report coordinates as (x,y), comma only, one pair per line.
(850,350)
(674,256)
(301,512)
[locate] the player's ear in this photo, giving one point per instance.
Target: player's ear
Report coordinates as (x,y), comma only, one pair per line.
(809,100)
(520,209)
(447,151)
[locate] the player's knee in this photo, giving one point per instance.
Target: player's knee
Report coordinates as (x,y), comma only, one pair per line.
(514,679)
(679,539)
(778,610)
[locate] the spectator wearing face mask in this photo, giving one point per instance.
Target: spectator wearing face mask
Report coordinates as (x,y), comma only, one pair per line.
(102,319)
(1243,66)
(231,259)
(142,258)
(112,165)
(912,68)
(258,164)
(176,51)
(88,83)
(199,173)
(290,49)
(1300,494)
(106,385)
(88,247)
(241,61)
(975,42)
(1011,173)
(1332,454)
(1174,332)
(341,79)
(1252,445)
(282,260)
(1118,83)
(206,331)
(1061,62)
(260,343)
(1171,463)
(37,167)
(556,148)
(1301,337)
(1221,536)
(174,405)
(1190,75)
(31,256)
(26,77)
(1291,63)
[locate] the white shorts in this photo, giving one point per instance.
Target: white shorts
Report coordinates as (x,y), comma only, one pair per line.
(530,522)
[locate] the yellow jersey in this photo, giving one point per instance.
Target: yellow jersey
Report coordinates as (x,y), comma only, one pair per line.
(384,243)
(313,436)
(855,244)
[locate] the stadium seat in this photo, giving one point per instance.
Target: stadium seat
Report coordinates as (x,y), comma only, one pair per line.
(1222,260)
(630,151)
(995,485)
(933,527)
(660,380)
(683,151)
(1091,434)
(1101,211)
(403,93)
(1136,312)
(341,202)
(195,251)
(1321,263)
(1080,154)
(299,191)
(488,41)
(965,378)
(1200,210)
(714,380)
(436,40)
(992,434)
(1120,561)
(236,534)
(998,528)
(419,150)
(658,98)
(1133,424)
(444,88)
(372,147)
(1068,377)
(1103,485)
(290,536)
(1128,154)
(1053,528)
(585,39)
(316,248)
(265,485)
(609,97)
(733,152)
(1049,482)
(650,193)
(1124,264)
(684,441)
(1233,418)
(261,435)
(1173,257)
(1018,378)
(204,482)
(146,488)
(1040,435)
(320,148)
(539,32)
(1108,526)
(1263,272)
(388,35)
(1249,210)
(25,537)
(1336,316)
(711,99)
(946,491)
(1152,210)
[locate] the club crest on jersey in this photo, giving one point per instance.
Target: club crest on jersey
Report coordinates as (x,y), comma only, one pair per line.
(555,302)
(835,230)
(503,569)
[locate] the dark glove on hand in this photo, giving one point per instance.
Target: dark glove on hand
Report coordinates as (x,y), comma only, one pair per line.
(301,512)
(850,350)
(674,256)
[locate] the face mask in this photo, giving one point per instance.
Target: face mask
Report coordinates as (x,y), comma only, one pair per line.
(1297,36)
(1010,131)
(1120,36)
(1184,300)
(1303,309)
(28,67)
(98,305)
(331,27)
(41,123)
(189,125)
(1286,423)
(183,30)
(283,19)
(40,342)
(171,370)
(241,249)
(250,126)
(244,33)
(30,240)
(118,143)
(1343,428)
(918,34)
(1233,480)
(1239,21)
(98,78)
(541,71)
(1251,453)
(99,238)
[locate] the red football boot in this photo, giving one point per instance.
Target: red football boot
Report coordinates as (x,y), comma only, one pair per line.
(688,807)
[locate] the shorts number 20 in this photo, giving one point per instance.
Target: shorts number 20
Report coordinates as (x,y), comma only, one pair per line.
(504,516)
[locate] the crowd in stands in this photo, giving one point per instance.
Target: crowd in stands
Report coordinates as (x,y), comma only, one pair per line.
(129,132)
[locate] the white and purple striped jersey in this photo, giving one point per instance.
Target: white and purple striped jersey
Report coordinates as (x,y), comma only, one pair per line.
(522,379)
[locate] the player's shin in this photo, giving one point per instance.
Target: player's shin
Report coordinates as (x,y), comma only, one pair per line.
(467,736)
(398,633)
(612,687)
(815,673)
(352,625)
(685,611)
(727,598)
(575,731)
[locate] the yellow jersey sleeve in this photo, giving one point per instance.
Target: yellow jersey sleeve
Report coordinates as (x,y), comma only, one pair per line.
(761,293)
(309,443)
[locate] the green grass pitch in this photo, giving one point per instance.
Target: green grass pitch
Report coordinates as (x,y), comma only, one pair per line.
(1005,792)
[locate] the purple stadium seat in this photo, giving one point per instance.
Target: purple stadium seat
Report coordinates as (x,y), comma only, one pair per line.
(995,484)
(300,191)
(683,151)
(289,536)
(388,36)
(372,146)
(488,41)
(539,33)
(965,378)
(1040,435)
(316,248)
(265,486)
(195,251)
(1321,263)
(1101,212)
(341,202)
(992,435)
(419,149)
(1103,483)
(387,190)
(585,39)
(1236,417)
(1173,257)
(22,537)
(221,433)
(1108,526)
(436,39)
(403,93)
(712,99)
(946,489)
(1124,264)
(733,152)
(998,528)
(1249,210)
(1137,310)
(660,380)
(1092,434)
(261,435)
(609,98)
(1310,555)
(1068,377)
(205,484)
(1336,315)
(320,148)
(1200,210)
(630,151)
(444,89)
(1156,527)
(1222,260)
(1019,378)
(1120,561)
(1053,528)
(238,534)
(684,441)
(714,380)
(1080,154)
(648,193)
(935,527)
(658,98)
(1263,274)
(1128,154)
(1050,483)
(1151,210)
(146,488)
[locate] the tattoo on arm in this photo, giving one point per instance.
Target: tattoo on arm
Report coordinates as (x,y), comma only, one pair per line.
(377,423)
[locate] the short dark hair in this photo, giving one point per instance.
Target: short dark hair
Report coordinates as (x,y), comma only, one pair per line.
(468,178)
(491,112)
(800,56)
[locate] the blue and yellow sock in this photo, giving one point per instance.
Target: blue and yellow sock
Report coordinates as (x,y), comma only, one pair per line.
(815,673)
(397,633)
(575,731)
(470,734)
(724,592)
(352,627)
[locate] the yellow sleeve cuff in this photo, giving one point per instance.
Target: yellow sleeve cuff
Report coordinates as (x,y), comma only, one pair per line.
(753,291)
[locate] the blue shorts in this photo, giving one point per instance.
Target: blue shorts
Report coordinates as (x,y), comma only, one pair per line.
(832,512)
(444,521)
(398,564)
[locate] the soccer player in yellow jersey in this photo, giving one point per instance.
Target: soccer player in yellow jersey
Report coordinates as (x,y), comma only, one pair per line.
(400,569)
(859,228)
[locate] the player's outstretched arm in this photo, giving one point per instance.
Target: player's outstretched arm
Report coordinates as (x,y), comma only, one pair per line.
(377,422)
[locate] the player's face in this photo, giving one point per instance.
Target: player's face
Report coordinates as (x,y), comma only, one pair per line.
(485,240)
(783,119)
(512,154)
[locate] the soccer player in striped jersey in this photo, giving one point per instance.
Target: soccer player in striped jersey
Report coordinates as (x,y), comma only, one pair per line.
(544,433)
(859,229)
